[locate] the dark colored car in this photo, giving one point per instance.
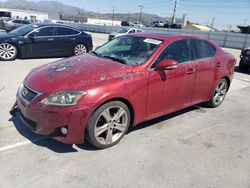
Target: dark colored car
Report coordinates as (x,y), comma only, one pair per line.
(245,59)
(126,23)
(44,40)
(131,79)
(13,24)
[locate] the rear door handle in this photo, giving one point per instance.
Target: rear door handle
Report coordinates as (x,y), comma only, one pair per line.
(190,71)
(218,64)
(51,39)
(73,38)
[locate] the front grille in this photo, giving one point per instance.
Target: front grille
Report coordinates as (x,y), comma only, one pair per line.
(27,94)
(31,124)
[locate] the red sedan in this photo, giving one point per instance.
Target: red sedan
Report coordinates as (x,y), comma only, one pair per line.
(128,80)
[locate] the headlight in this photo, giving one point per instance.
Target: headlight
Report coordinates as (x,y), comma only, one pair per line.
(68,98)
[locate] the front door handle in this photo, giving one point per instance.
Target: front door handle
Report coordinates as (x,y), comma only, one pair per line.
(190,71)
(73,38)
(51,39)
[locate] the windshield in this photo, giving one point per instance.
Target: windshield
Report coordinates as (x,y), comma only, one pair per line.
(123,31)
(129,50)
(23,30)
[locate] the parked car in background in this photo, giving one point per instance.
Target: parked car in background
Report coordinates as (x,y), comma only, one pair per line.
(157,24)
(13,24)
(44,40)
(137,24)
(245,59)
(124,31)
(3,20)
(131,79)
(126,23)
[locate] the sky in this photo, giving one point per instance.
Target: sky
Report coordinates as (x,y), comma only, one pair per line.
(225,12)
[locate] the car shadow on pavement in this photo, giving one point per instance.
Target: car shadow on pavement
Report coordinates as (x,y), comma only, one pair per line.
(44,141)
(164,118)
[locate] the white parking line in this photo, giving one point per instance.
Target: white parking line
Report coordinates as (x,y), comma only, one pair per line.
(5,148)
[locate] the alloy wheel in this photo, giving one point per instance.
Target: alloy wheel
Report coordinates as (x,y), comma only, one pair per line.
(80,49)
(111,125)
(7,51)
(220,92)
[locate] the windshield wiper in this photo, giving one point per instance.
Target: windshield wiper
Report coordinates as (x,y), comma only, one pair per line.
(93,52)
(115,59)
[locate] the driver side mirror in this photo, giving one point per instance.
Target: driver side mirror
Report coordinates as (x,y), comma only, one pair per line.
(31,35)
(166,64)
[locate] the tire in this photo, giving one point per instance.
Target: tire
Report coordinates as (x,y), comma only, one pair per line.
(104,129)
(219,93)
(80,49)
(242,66)
(8,52)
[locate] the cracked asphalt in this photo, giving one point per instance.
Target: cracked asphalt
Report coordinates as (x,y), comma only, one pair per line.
(196,147)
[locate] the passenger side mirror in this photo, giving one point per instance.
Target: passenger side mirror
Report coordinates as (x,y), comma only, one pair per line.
(166,64)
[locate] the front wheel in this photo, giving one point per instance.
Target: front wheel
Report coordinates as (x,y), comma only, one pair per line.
(80,49)
(108,124)
(8,52)
(219,93)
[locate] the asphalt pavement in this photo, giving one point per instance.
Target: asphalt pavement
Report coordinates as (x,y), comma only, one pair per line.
(196,147)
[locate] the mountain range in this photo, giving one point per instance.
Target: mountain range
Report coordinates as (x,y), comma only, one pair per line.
(55,8)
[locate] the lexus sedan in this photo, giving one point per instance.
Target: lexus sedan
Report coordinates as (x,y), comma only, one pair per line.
(43,40)
(131,79)
(124,31)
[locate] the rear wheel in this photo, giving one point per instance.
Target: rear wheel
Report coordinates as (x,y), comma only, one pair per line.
(8,52)
(219,93)
(242,66)
(80,49)
(108,124)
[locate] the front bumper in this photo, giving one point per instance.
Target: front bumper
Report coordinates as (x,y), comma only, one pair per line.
(47,120)
(245,60)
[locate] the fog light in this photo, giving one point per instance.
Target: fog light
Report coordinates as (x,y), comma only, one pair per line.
(64,130)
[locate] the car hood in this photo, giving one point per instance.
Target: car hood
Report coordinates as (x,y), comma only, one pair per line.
(117,34)
(74,74)
(4,35)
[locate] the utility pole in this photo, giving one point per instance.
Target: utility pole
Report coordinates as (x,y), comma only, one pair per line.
(141,6)
(174,12)
(113,16)
(212,24)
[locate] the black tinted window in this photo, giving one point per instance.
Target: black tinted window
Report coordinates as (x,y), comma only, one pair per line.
(177,51)
(201,49)
(47,31)
(25,22)
(16,21)
(64,31)
(132,31)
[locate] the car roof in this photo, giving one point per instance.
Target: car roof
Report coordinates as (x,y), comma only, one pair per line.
(51,24)
(164,35)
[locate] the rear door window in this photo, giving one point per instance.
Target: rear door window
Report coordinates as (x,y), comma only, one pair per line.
(63,31)
(201,49)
